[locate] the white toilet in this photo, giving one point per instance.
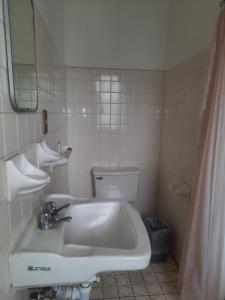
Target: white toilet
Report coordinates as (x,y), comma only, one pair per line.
(116,183)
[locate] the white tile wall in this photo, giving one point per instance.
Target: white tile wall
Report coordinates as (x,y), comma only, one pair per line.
(184,85)
(114,120)
(18,133)
(25,85)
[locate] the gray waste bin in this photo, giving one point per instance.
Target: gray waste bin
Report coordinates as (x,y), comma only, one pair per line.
(160,237)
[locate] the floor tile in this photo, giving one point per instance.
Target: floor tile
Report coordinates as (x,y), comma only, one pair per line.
(122,272)
(163,277)
(171,267)
(156,282)
(122,279)
(143,298)
(135,273)
(154,289)
(125,291)
(150,278)
(110,292)
(97,284)
(173,297)
(108,280)
(140,290)
(173,276)
(158,268)
(168,287)
(149,269)
(158,297)
(97,293)
(136,278)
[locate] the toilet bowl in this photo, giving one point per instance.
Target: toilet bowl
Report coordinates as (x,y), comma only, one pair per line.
(116,183)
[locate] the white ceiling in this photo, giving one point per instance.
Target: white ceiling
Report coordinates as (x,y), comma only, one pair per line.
(143,34)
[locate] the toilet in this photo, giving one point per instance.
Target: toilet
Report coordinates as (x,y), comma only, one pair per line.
(116,183)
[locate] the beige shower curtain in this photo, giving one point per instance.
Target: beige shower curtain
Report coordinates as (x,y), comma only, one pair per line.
(202,274)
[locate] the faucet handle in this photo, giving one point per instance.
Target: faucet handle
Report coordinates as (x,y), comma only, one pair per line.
(67,205)
(50,207)
(62,220)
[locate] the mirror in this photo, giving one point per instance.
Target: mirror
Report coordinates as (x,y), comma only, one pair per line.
(21,56)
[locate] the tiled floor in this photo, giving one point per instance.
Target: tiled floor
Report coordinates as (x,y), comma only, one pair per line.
(157,282)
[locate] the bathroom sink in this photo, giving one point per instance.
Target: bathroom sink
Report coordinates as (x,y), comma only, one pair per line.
(105,224)
(103,236)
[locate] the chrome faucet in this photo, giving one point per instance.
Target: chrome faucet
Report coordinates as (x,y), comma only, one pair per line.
(47,218)
(51,207)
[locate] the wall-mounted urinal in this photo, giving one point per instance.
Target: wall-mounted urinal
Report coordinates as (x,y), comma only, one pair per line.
(46,157)
(23,177)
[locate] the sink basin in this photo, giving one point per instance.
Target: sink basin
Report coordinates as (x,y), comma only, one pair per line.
(100,225)
(103,236)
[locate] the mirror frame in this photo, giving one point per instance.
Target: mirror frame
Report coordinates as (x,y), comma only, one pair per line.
(13,101)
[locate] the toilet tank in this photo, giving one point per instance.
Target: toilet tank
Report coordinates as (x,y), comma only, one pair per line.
(116,183)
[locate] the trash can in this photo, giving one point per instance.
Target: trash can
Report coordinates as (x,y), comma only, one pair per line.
(160,237)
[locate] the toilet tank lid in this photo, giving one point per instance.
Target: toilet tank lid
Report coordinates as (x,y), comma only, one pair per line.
(100,171)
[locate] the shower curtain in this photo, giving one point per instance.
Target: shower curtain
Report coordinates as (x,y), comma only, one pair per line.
(202,273)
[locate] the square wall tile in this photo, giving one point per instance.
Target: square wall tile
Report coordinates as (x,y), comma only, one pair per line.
(5,105)
(1,136)
(111,105)
(19,131)
(4,262)
(10,133)
(3,184)
(4,223)
(30,122)
(22,130)
(180,122)
(105,86)
(115,87)
(1,11)
(15,218)
(3,62)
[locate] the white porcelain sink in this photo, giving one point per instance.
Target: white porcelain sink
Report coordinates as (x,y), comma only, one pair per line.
(103,236)
(101,224)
